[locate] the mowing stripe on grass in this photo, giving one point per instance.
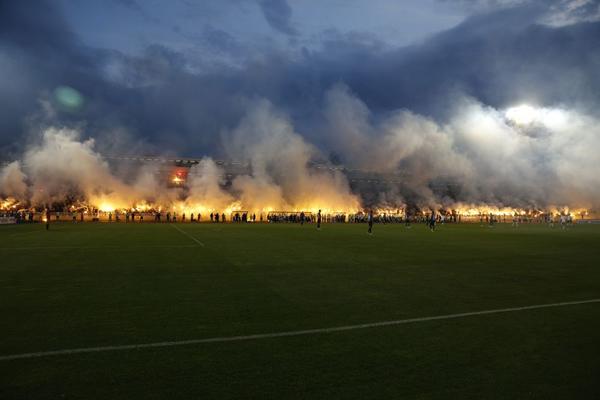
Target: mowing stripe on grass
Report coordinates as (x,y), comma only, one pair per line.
(99,247)
(187,234)
(286,333)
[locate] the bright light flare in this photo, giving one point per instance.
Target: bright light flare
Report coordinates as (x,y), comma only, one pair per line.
(485,210)
(106,207)
(523,114)
(8,204)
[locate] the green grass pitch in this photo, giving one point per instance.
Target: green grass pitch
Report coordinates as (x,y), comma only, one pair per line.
(89,285)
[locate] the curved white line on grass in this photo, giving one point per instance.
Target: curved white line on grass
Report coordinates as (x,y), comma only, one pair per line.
(288,333)
(187,234)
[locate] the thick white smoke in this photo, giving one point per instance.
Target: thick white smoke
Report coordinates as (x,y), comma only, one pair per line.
(61,166)
(281,178)
(63,169)
(548,157)
(524,157)
(12,181)
(206,181)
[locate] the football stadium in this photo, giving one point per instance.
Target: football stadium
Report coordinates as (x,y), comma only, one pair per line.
(238,302)
(277,199)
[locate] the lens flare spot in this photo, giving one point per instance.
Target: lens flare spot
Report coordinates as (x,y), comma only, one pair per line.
(68,98)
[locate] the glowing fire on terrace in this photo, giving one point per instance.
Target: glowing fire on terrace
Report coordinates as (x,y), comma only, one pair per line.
(105,207)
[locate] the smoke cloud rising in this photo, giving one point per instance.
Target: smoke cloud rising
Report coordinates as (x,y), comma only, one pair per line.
(522,157)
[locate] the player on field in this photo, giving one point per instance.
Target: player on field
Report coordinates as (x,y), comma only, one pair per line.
(370,221)
(319,220)
(432,221)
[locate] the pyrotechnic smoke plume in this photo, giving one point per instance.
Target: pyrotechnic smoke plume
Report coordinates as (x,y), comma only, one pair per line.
(532,158)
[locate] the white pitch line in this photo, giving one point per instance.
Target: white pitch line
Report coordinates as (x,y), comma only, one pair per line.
(224,339)
(187,234)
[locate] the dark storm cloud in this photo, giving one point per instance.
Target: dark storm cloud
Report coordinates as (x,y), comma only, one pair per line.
(433,110)
(152,96)
(497,58)
(551,12)
(220,39)
(161,98)
(487,5)
(37,52)
(278,14)
(134,6)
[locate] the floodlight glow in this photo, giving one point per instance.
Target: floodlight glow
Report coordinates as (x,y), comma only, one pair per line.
(523,114)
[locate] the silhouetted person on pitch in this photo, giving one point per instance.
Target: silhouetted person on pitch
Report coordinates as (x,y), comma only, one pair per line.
(47,219)
(319,220)
(370,221)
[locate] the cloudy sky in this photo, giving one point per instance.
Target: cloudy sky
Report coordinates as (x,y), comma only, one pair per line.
(470,101)
(170,77)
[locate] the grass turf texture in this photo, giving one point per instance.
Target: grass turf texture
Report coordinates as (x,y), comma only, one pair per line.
(87,285)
